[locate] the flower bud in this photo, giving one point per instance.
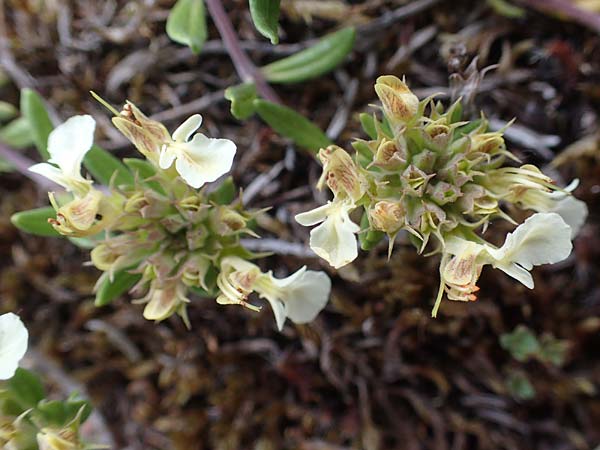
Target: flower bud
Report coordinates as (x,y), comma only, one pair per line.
(387,216)
(164,300)
(340,173)
(488,143)
(147,135)
(87,215)
(389,156)
(399,103)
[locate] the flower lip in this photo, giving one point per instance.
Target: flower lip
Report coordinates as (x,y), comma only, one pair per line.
(198,160)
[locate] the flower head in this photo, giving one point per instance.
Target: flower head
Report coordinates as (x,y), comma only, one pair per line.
(13,344)
(200,159)
(67,144)
(334,239)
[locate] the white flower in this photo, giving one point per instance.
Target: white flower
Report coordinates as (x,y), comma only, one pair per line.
(67,144)
(199,160)
(299,297)
(13,344)
(573,212)
(544,238)
(334,239)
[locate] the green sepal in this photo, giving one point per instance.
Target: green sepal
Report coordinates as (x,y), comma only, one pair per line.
(110,290)
(225,193)
(317,60)
(292,125)
(34,110)
(241,97)
(25,388)
(59,413)
(35,221)
(368,239)
(265,15)
(368,124)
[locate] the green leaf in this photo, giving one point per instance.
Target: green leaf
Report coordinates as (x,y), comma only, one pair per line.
(102,165)
(241,98)
(290,124)
(17,134)
(506,9)
(109,291)
(186,24)
(26,388)
(521,343)
(35,221)
(368,124)
(34,110)
(519,386)
(7,111)
(553,350)
(314,61)
(225,193)
(265,15)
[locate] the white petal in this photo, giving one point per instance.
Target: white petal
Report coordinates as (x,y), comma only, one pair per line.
(313,216)
(187,128)
(334,239)
(518,273)
(52,173)
(13,344)
(204,160)
(69,142)
(573,212)
(307,296)
(544,238)
(278,311)
(167,156)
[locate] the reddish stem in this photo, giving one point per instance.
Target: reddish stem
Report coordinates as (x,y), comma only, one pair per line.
(245,68)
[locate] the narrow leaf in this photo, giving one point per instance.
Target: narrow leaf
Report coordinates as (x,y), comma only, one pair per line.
(241,98)
(35,221)
(265,15)
(109,291)
(102,165)
(34,110)
(186,24)
(290,124)
(17,134)
(7,111)
(317,60)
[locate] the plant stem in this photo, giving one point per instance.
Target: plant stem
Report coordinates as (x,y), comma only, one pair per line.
(245,68)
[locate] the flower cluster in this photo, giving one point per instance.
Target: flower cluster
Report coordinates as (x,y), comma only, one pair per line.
(427,172)
(166,232)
